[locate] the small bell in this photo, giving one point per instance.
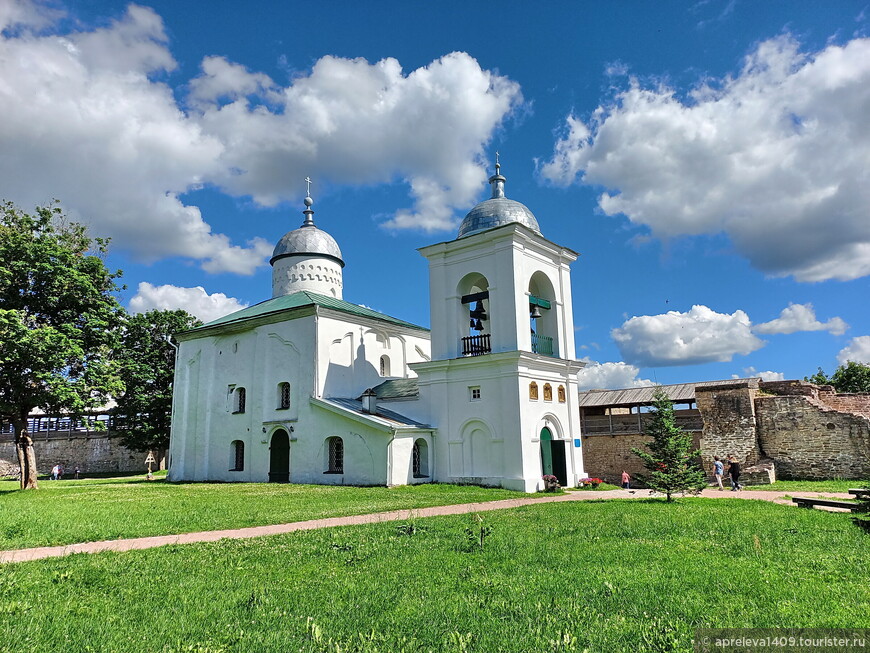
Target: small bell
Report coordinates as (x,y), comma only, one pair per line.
(536,312)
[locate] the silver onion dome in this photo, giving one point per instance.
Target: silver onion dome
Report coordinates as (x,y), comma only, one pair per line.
(307,240)
(497,211)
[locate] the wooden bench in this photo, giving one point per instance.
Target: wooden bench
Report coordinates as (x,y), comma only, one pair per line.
(860,493)
(827,503)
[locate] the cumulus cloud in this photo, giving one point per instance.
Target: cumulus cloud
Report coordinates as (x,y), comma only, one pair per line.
(801,317)
(354,122)
(698,336)
(195,301)
(777,157)
(88,119)
(858,351)
(751,372)
(609,376)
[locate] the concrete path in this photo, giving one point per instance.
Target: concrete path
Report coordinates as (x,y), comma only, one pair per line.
(23,555)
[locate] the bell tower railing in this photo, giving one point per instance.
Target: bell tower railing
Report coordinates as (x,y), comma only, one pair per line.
(542,345)
(476,345)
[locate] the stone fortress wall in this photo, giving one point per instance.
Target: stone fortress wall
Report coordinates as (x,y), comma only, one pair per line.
(776,429)
(92,452)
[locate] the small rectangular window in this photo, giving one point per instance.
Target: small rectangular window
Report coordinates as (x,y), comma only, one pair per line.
(474,393)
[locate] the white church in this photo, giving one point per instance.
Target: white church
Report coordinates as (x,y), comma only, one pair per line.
(309,388)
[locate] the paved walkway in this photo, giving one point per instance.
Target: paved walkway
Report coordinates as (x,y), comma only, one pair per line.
(39,553)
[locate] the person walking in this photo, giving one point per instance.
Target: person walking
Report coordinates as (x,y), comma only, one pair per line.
(718,471)
(734,473)
(55,472)
(626,480)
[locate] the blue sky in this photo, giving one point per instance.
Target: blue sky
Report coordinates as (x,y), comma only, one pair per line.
(709,160)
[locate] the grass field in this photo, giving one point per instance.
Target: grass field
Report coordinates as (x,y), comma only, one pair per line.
(811,486)
(600,576)
(88,510)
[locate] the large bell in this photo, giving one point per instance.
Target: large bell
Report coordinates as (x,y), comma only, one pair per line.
(478,313)
(536,312)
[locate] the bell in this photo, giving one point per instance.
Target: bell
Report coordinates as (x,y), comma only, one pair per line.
(478,313)
(472,323)
(477,326)
(536,312)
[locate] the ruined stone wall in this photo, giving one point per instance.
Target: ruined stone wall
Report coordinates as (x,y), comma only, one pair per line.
(810,440)
(95,453)
(605,456)
(729,422)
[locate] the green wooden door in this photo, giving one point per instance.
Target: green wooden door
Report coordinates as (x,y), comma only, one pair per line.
(546,452)
(279,457)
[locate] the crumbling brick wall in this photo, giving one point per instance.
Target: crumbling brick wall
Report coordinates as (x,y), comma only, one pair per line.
(812,432)
(729,422)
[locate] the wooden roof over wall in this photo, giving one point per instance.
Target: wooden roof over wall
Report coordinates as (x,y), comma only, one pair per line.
(678,393)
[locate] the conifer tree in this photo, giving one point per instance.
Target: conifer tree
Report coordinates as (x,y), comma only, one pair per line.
(671,460)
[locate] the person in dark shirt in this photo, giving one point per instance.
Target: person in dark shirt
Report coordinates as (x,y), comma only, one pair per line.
(734,473)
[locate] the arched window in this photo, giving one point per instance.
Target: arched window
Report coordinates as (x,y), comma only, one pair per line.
(385,365)
(239,397)
(548,392)
(237,456)
(420,459)
(561,394)
(283,396)
(335,455)
(533,391)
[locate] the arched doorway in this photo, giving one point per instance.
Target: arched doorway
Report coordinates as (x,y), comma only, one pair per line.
(279,457)
(553,458)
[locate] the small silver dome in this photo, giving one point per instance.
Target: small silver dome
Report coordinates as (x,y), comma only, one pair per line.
(497,211)
(307,240)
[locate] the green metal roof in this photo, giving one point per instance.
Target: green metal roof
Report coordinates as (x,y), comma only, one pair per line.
(300,299)
(398,389)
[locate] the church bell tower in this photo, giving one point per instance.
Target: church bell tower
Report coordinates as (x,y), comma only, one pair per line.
(501,385)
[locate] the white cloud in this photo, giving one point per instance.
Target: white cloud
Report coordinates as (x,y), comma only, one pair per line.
(801,317)
(609,376)
(751,373)
(777,157)
(195,301)
(698,336)
(858,350)
(354,122)
(87,120)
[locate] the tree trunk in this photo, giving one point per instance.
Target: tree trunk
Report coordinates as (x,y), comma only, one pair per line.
(26,454)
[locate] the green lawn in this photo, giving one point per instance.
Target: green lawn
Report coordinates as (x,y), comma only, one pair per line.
(65,512)
(810,486)
(601,576)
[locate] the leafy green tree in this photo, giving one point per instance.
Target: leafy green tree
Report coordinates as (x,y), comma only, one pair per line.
(58,322)
(851,377)
(671,460)
(147,366)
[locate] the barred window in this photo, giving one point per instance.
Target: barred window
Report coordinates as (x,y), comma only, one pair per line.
(420,459)
(335,453)
(283,396)
(239,398)
(533,391)
(385,365)
(561,392)
(237,453)
(548,392)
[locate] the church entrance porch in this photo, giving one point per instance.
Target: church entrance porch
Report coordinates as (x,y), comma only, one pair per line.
(553,457)
(279,457)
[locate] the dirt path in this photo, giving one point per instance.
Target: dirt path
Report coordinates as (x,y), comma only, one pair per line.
(23,555)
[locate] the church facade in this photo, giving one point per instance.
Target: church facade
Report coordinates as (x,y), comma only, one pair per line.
(309,388)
